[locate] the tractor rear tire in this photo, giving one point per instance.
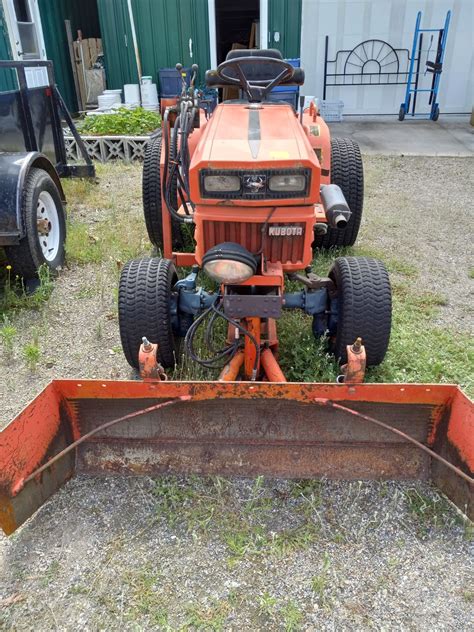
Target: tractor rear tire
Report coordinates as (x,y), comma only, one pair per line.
(364,307)
(41,202)
(152,203)
(347,171)
(145,293)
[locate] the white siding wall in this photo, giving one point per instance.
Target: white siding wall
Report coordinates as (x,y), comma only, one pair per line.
(349,22)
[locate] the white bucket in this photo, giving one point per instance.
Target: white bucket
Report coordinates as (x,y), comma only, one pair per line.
(149,95)
(107,100)
(147,80)
(131,93)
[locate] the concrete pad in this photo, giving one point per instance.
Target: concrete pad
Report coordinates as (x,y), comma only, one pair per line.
(418,137)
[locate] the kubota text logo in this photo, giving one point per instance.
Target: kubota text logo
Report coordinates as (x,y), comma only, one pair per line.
(285,231)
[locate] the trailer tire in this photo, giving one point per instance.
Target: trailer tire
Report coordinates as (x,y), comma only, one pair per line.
(41,201)
(151,194)
(347,171)
(145,293)
(364,300)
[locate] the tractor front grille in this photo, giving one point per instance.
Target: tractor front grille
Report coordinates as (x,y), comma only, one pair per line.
(278,249)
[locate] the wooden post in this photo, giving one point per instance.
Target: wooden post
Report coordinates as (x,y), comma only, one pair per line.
(72,57)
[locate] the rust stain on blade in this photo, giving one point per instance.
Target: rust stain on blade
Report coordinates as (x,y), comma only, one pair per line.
(7,516)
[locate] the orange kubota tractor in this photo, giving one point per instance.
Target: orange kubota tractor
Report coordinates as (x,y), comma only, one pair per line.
(262,187)
(259,186)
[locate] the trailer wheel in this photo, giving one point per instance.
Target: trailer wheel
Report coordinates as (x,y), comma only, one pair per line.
(401,113)
(145,301)
(44,225)
(364,301)
(151,191)
(347,171)
(435,114)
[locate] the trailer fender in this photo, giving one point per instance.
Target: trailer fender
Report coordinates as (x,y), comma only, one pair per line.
(14,169)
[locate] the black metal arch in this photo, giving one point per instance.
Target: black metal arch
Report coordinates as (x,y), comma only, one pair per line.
(350,66)
(372,50)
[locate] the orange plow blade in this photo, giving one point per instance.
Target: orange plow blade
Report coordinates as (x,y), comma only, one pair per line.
(343,431)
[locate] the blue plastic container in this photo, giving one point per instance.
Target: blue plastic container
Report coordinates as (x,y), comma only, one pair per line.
(296,64)
(170,81)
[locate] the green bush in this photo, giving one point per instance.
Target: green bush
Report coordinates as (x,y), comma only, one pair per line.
(123,122)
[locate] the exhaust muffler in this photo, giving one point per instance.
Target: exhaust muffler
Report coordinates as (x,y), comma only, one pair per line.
(335,206)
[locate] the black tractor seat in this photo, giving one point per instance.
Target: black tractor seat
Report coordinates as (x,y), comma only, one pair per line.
(255,72)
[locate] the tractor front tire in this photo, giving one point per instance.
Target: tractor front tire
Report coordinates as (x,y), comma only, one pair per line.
(364,301)
(347,171)
(145,294)
(151,192)
(44,226)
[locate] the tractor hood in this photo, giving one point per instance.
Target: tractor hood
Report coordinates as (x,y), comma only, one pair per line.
(242,136)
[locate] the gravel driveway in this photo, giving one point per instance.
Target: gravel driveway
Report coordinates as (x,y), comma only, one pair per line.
(109,553)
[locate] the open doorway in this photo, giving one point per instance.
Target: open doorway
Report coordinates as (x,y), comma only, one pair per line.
(237,26)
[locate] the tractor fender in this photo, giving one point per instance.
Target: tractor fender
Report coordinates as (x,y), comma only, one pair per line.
(14,169)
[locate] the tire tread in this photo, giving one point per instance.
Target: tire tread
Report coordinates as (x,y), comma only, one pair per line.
(151,196)
(144,308)
(26,257)
(347,172)
(365,306)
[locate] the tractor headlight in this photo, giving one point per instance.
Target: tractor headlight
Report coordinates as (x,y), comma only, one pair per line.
(229,263)
(243,184)
(222,183)
(292,183)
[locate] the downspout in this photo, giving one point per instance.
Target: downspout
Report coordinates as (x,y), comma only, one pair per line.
(264,35)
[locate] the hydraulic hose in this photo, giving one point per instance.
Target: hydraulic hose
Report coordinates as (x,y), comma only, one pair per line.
(181,129)
(224,355)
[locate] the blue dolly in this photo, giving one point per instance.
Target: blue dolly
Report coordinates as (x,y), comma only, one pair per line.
(434,67)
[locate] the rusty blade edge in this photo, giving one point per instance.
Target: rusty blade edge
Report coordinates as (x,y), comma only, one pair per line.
(327,402)
(19,486)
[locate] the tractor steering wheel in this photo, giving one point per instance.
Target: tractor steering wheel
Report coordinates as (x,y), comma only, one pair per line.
(256,89)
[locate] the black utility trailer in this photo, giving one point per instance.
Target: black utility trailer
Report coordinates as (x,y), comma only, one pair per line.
(32,161)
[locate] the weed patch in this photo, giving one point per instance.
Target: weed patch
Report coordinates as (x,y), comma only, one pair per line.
(32,352)
(7,336)
(16,296)
(429,511)
(210,618)
(246,527)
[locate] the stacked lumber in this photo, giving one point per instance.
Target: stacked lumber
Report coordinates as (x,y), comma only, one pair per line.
(90,80)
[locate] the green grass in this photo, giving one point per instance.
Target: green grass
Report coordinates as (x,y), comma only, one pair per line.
(430,511)
(7,336)
(15,296)
(292,616)
(145,597)
(209,618)
(32,353)
(205,507)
